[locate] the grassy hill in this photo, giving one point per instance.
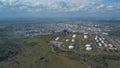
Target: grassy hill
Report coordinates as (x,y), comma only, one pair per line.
(36,53)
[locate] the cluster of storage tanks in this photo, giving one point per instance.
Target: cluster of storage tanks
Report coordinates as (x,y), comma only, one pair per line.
(88,47)
(71,46)
(72,40)
(101,43)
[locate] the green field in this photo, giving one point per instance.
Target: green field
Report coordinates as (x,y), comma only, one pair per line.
(113,64)
(36,53)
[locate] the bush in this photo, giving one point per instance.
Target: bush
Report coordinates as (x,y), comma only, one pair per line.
(7,49)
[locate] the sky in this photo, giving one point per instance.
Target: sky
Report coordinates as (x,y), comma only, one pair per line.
(59,8)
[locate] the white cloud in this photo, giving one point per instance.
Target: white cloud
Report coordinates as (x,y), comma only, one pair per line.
(100,6)
(57,5)
(109,7)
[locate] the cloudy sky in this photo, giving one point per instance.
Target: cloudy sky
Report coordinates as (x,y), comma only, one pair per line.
(59,8)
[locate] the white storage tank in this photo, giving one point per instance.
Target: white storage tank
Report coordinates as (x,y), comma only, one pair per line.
(96,38)
(105,45)
(88,45)
(67,40)
(71,47)
(74,36)
(85,36)
(73,40)
(57,38)
(100,44)
(110,45)
(100,39)
(88,48)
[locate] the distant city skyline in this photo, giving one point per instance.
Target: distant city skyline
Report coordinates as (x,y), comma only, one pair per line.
(11,9)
